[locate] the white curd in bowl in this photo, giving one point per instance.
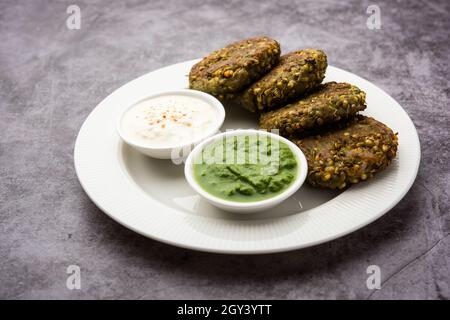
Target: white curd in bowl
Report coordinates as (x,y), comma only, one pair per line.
(168,120)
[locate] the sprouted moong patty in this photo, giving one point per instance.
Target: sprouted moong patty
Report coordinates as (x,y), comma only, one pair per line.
(349,154)
(331,102)
(234,67)
(297,73)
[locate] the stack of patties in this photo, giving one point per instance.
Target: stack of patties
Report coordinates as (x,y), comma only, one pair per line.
(252,74)
(341,146)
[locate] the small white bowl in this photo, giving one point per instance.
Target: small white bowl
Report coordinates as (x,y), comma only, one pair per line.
(246,207)
(173,151)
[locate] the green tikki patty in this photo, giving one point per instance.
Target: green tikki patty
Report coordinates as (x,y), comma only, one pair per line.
(332,102)
(234,67)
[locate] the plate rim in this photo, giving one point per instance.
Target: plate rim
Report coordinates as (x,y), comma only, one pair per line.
(291,247)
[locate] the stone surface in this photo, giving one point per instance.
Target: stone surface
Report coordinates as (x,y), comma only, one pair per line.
(52,77)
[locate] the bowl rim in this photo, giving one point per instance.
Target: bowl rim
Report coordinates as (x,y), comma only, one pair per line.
(211,100)
(300,178)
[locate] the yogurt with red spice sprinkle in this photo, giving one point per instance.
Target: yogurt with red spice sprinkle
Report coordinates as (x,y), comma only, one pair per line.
(168,120)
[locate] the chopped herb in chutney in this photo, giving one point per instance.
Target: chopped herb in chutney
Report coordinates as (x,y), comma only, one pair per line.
(245,168)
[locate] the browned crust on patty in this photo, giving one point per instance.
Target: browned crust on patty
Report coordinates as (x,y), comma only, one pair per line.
(297,73)
(348,154)
(234,67)
(332,102)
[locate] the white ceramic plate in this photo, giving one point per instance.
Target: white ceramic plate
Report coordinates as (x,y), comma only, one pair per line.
(151,196)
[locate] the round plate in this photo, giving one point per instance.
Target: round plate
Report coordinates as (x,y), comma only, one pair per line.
(151,196)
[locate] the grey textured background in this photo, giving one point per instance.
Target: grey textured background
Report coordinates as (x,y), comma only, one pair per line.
(52,77)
